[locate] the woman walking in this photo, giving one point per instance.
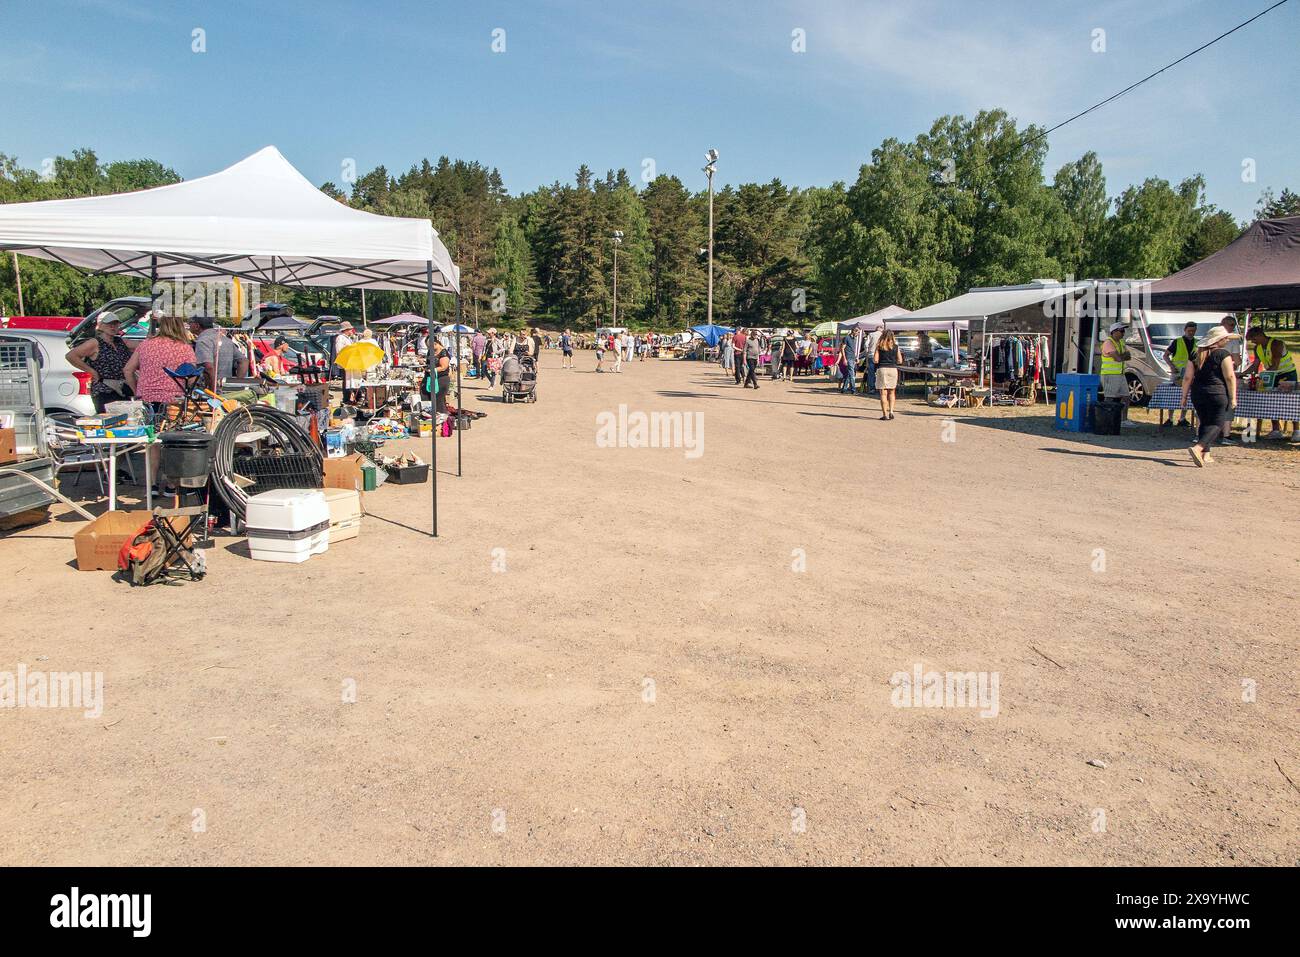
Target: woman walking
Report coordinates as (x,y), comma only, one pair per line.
(887,358)
(727,353)
(1209,379)
(789,349)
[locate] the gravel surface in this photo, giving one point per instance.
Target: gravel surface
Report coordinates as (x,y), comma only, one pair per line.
(644,655)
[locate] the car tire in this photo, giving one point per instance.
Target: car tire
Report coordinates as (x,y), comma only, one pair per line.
(1137,390)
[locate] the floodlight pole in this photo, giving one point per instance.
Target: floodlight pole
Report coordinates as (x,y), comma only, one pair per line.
(433,383)
(460,311)
(617,239)
(712,165)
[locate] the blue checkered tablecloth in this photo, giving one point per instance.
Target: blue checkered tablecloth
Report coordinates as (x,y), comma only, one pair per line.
(1282,406)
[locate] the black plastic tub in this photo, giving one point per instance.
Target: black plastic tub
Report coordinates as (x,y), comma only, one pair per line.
(186,457)
(409,475)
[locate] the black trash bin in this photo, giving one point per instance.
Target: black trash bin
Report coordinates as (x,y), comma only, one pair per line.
(186,457)
(1107,415)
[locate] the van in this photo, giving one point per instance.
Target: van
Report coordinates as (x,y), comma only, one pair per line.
(1149,335)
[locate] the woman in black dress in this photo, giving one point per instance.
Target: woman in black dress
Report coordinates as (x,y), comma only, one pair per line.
(788,351)
(1211,382)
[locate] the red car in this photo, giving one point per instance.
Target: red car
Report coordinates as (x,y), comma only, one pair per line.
(53,323)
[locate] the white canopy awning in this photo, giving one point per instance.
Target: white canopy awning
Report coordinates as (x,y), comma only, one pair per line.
(874,320)
(260,220)
(928,325)
(981,303)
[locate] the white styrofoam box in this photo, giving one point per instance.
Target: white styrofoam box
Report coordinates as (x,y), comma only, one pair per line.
(287,509)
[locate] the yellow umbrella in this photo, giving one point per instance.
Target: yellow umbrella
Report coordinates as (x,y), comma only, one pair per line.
(359,357)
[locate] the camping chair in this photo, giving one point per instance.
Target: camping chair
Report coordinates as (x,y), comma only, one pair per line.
(159,551)
(187,378)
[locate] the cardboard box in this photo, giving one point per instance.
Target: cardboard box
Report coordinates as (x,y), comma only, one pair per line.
(346,472)
(99,542)
(8,447)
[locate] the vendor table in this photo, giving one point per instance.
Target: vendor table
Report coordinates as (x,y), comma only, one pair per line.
(936,372)
(116,447)
(1279,406)
(373,387)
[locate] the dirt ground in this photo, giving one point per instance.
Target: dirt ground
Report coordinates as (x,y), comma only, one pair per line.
(630,655)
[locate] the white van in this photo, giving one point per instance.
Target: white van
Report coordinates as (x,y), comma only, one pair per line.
(1148,336)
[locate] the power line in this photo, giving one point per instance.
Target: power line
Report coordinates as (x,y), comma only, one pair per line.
(1133,86)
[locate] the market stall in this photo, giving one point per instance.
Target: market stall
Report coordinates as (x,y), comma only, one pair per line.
(1258,275)
(259,220)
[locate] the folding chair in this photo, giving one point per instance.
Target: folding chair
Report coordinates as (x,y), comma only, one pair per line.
(159,553)
(187,379)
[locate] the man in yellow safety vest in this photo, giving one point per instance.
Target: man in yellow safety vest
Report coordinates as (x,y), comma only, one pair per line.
(1178,354)
(1270,355)
(1114,383)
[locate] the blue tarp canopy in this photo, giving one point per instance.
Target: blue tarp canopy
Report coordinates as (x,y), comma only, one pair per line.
(711,334)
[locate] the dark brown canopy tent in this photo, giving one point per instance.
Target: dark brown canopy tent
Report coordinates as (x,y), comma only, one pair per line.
(1259,271)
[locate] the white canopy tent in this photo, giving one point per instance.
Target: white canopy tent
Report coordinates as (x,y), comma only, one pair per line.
(259,220)
(982,303)
(929,325)
(874,320)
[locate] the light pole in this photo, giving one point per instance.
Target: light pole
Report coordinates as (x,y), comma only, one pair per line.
(618,241)
(710,166)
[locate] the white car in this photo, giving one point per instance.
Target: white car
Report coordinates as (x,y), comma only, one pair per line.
(65,389)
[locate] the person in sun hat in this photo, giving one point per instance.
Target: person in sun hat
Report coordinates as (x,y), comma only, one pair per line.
(1211,383)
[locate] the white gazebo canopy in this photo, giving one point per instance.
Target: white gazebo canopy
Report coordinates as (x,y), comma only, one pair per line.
(259,220)
(980,303)
(874,320)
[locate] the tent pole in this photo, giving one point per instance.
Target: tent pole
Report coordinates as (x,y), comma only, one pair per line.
(18,278)
(433,458)
(460,311)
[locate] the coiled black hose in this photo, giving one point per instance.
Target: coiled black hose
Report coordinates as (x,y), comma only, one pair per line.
(283,429)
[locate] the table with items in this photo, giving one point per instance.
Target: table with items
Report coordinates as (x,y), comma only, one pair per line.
(1275,404)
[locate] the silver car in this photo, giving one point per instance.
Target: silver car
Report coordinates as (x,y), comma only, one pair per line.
(65,389)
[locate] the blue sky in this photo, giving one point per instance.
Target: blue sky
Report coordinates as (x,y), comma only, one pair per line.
(611,83)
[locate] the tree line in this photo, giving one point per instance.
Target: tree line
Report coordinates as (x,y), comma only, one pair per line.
(964,204)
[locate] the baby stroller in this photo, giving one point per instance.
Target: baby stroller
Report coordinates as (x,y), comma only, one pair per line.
(519,379)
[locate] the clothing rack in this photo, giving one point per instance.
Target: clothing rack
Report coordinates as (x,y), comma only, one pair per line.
(1041,348)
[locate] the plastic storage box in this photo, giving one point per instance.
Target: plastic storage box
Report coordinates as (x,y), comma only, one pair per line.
(288,524)
(345,513)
